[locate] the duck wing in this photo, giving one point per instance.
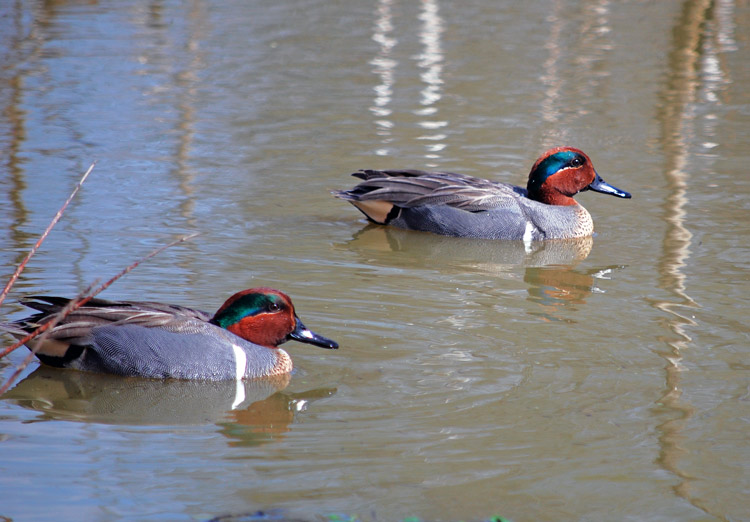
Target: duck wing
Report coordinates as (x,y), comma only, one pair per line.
(77,326)
(413,188)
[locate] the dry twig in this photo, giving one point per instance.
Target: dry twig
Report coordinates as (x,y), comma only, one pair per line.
(74,305)
(44,235)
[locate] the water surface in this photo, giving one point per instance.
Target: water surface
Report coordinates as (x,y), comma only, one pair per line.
(603,379)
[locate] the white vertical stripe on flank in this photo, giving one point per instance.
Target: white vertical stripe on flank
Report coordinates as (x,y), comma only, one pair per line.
(240,362)
(527,235)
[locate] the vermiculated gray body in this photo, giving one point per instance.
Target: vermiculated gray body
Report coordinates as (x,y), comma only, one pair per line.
(462,206)
(524,221)
(145,339)
(131,350)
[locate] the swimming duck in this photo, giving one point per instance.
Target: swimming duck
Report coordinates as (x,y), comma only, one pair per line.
(463,206)
(162,341)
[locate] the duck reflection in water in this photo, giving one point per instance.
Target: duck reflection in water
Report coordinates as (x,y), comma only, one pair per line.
(558,287)
(249,412)
(550,267)
(420,249)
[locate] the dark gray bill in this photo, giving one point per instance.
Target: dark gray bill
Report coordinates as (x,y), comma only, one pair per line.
(303,335)
(599,185)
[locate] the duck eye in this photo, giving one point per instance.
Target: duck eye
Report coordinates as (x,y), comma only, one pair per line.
(273,307)
(576,162)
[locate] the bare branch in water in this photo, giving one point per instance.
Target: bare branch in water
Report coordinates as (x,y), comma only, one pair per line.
(44,235)
(73,305)
(141,260)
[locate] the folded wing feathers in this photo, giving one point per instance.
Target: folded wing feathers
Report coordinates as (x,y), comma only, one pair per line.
(410,188)
(76,327)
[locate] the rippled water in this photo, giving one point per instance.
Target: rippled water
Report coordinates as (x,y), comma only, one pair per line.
(602,379)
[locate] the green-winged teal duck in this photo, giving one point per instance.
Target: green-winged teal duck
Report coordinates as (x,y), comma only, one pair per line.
(161,341)
(457,205)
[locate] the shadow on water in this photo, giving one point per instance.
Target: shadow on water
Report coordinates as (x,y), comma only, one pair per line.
(249,412)
(697,38)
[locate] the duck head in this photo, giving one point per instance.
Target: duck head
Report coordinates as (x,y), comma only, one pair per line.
(266,317)
(561,173)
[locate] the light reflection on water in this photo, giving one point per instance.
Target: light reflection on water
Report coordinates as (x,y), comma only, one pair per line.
(572,379)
